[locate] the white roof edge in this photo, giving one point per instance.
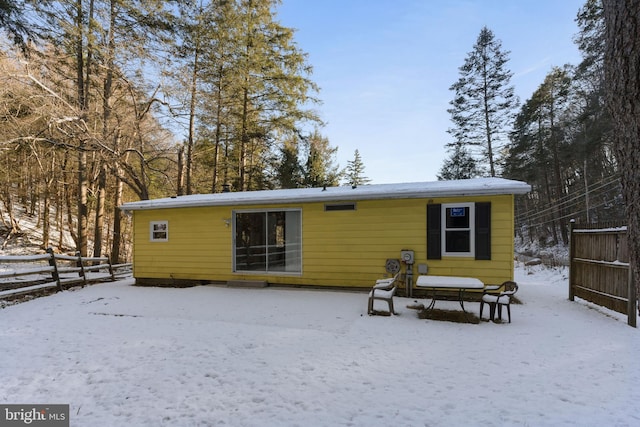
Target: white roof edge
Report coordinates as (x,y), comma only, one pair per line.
(467,187)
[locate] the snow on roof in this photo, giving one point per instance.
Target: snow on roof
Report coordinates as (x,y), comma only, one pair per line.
(464,187)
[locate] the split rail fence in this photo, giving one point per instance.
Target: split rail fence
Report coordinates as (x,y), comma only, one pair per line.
(599,268)
(49,272)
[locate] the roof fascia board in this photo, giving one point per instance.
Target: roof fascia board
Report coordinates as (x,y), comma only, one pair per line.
(310,195)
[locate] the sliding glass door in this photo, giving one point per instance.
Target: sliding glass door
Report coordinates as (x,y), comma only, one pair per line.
(268,241)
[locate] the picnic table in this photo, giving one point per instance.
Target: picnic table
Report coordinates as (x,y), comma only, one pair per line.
(437,284)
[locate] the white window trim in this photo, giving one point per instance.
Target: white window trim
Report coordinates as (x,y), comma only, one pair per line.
(472,229)
(152,225)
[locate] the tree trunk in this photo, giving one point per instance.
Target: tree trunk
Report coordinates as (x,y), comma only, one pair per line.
(33,192)
(82,154)
(117,221)
(83,209)
(557,172)
(542,167)
(99,225)
(60,216)
(180,183)
(46,221)
(46,226)
(218,137)
(244,141)
(564,233)
(192,118)
(586,191)
(622,79)
(487,126)
(67,198)
(107,91)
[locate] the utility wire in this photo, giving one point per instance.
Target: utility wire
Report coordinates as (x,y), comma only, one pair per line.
(594,191)
(598,186)
(571,215)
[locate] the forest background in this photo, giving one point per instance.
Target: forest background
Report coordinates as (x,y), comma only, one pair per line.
(93,92)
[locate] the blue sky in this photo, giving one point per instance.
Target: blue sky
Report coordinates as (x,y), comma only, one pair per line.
(385,67)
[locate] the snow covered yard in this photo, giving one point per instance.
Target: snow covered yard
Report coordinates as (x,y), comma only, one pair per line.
(207,356)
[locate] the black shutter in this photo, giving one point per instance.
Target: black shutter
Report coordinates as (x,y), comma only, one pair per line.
(434,231)
(483,230)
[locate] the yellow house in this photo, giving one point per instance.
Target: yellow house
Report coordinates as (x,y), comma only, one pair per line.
(333,237)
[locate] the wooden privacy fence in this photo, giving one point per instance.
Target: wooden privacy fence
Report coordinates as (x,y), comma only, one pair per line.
(599,267)
(49,272)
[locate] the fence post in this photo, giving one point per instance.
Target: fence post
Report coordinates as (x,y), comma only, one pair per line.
(82,273)
(572,249)
(54,274)
(632,301)
(111,272)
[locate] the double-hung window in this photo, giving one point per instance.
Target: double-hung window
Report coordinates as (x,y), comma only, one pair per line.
(459,229)
(268,241)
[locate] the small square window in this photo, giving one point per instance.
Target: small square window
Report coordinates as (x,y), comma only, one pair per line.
(159,231)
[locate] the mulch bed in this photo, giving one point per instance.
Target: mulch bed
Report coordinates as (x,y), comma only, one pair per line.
(456,316)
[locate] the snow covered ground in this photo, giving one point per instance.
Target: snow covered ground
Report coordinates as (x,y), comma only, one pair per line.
(208,356)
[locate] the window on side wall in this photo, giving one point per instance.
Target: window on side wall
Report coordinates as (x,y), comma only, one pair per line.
(459,229)
(268,241)
(159,231)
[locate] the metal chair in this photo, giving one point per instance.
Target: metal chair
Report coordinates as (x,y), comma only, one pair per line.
(383,290)
(498,299)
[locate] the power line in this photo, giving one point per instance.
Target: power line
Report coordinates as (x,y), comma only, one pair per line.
(572,215)
(595,191)
(600,185)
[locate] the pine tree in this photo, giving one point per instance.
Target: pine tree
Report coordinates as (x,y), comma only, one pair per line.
(253,89)
(540,152)
(289,170)
(320,168)
(460,165)
(484,101)
(272,88)
(593,145)
(12,21)
(355,171)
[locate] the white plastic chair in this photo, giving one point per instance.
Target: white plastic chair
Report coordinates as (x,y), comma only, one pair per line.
(383,290)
